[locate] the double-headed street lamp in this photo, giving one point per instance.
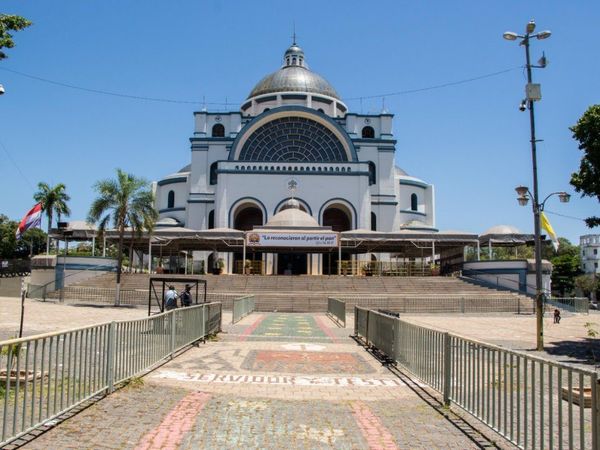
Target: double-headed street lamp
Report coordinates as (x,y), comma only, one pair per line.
(533,94)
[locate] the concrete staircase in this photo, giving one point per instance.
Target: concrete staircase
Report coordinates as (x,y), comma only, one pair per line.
(309,293)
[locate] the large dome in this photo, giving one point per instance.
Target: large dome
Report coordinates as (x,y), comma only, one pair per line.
(294,76)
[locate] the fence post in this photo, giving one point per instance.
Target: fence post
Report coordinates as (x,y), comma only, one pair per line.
(173,323)
(204,322)
(462,305)
(110,363)
(396,340)
(447,369)
(595,412)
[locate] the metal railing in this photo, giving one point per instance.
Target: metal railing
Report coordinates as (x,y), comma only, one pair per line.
(242,307)
(532,402)
(575,304)
(336,310)
(83,294)
(387,268)
(445,304)
(249,267)
(14,267)
(43,376)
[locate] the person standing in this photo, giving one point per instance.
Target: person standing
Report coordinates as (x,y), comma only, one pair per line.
(186,296)
(556,316)
(171,298)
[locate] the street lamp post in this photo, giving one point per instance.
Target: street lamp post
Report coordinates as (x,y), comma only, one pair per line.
(533,94)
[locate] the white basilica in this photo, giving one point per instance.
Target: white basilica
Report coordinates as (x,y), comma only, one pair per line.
(294,130)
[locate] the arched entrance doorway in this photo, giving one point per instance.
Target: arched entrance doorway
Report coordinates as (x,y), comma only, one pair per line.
(246,216)
(339,218)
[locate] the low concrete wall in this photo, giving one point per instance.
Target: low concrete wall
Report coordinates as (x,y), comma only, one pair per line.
(10,287)
(516,274)
(59,271)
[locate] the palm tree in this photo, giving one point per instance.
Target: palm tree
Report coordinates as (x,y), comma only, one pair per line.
(53,200)
(127,201)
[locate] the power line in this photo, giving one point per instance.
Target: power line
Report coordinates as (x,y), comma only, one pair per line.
(198,102)
(104,92)
(437,86)
(23,176)
(564,215)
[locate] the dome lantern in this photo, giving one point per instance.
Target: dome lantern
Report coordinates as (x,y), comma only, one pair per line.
(294,56)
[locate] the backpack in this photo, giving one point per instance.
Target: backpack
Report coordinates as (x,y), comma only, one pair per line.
(171,300)
(186,298)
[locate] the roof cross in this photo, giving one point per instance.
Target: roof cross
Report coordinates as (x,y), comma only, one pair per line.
(294,34)
(292,185)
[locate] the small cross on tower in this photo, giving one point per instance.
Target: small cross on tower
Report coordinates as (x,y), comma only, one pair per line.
(292,185)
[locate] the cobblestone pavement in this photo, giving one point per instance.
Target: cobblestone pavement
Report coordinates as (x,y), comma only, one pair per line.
(259,386)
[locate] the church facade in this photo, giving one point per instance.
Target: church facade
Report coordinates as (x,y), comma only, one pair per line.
(294,130)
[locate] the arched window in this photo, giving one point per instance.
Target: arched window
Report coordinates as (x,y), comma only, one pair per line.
(414,202)
(373,222)
(213,173)
(211,219)
(218,130)
(368,133)
(171,199)
(372,173)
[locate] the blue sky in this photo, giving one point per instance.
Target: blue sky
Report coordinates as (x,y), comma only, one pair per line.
(470,140)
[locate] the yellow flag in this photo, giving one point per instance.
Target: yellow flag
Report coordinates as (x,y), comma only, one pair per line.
(546,226)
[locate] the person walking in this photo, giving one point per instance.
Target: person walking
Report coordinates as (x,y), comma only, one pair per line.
(171,298)
(556,316)
(186,296)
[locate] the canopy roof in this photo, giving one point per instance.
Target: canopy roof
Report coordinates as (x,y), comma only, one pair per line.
(506,236)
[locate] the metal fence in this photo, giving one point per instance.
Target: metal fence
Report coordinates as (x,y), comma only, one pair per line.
(242,307)
(533,402)
(387,268)
(89,294)
(445,304)
(43,376)
(575,304)
(336,309)
(15,267)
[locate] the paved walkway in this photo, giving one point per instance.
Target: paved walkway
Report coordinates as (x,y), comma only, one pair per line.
(565,342)
(272,381)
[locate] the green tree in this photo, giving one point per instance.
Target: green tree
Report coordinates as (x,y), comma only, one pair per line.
(53,200)
(125,202)
(33,241)
(8,242)
(588,284)
(10,23)
(566,264)
(587,180)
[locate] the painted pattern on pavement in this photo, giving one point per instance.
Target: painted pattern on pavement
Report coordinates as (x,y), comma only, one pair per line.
(283,327)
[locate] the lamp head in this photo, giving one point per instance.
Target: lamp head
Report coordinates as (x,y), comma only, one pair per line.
(510,36)
(523,200)
(544,34)
(530,28)
(564,197)
(522,191)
